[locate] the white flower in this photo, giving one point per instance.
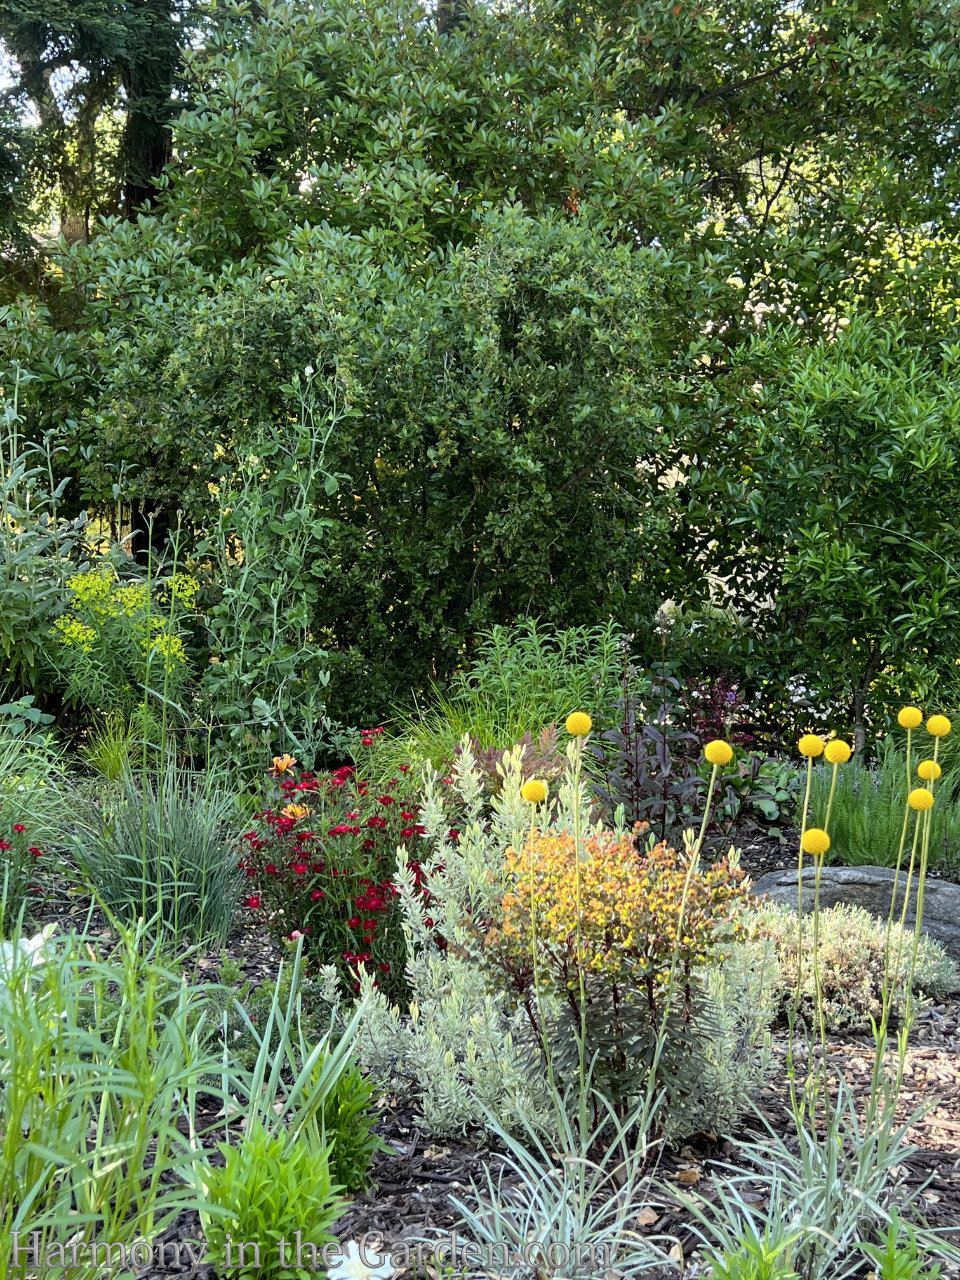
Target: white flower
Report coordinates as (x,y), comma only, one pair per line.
(25,954)
(13,954)
(353,1266)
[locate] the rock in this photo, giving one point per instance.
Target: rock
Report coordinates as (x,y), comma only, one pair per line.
(871,888)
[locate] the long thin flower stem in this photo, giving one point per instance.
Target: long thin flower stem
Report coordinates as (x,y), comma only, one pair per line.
(577,764)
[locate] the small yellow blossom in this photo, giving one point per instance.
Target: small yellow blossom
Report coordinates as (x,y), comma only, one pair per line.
(929,770)
(920,799)
(718,751)
(938,726)
(837,751)
(534,791)
(297,811)
(579,724)
(815,841)
(811,744)
(910,717)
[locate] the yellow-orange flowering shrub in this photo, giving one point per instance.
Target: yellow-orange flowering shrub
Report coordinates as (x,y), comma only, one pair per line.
(641,913)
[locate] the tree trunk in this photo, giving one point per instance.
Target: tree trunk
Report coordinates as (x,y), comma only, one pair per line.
(147,78)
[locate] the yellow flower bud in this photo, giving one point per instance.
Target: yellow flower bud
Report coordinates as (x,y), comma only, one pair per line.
(929,770)
(815,841)
(579,724)
(837,752)
(718,751)
(811,744)
(910,717)
(534,791)
(938,726)
(920,799)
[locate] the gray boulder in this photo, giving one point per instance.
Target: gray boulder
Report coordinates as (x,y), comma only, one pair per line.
(871,889)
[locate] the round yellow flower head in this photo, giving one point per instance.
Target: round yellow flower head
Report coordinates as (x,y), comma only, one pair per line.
(579,724)
(929,770)
(534,791)
(910,717)
(811,744)
(938,726)
(815,841)
(837,752)
(718,751)
(920,798)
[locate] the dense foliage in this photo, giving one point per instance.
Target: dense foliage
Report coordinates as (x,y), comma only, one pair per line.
(549,310)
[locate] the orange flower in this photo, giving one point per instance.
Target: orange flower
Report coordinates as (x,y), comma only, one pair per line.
(281,765)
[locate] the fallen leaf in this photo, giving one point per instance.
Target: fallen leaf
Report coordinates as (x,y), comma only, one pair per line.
(690,1176)
(647,1217)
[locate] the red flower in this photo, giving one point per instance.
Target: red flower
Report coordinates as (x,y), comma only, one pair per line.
(249,835)
(366,742)
(35,851)
(300,868)
(353,922)
(404,768)
(369,926)
(4,846)
(376,820)
(270,869)
(429,922)
(454,834)
(384,967)
(317,893)
(253,902)
(18,826)
(251,871)
(407,832)
(385,800)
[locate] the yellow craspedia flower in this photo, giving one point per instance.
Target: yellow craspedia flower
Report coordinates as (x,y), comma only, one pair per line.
(579,724)
(938,726)
(910,717)
(718,751)
(920,798)
(534,791)
(811,744)
(929,770)
(815,841)
(837,752)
